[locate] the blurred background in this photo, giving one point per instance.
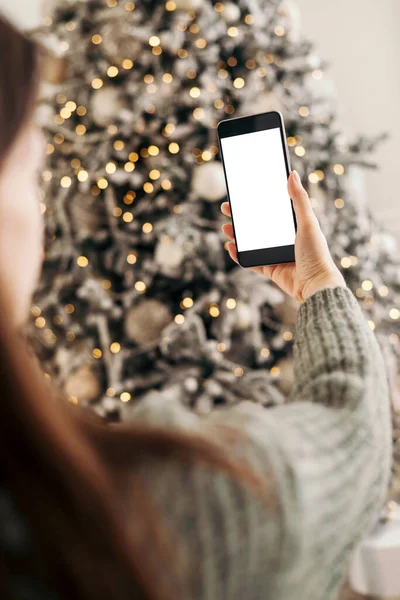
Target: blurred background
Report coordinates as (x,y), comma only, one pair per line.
(360,41)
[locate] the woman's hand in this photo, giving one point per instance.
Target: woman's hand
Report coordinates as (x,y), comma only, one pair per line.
(314,268)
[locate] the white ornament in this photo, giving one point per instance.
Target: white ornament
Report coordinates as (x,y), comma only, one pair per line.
(82,384)
(145,321)
(106,105)
(243,314)
(208,181)
(168,254)
(231,12)
(188,4)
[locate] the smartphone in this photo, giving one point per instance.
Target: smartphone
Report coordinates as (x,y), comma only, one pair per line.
(256,164)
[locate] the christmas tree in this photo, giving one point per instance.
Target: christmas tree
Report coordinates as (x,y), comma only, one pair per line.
(138,294)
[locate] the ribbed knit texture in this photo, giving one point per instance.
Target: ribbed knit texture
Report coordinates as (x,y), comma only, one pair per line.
(326,457)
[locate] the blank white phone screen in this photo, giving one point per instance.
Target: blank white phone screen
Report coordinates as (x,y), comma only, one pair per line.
(257,184)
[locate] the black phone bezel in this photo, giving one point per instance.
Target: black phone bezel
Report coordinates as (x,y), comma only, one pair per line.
(249,124)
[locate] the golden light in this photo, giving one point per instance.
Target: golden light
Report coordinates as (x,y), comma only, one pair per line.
(66,182)
(133,156)
(232,61)
(299,151)
(97,83)
(97,353)
(40,322)
(97,39)
(219,7)
(129,6)
(218,103)
(111,168)
(221,347)
(110,392)
(179,319)
(339,203)
(232,31)
(127,63)
(131,258)
(239,83)
(394,313)
(249,19)
(154,41)
(287,336)
(169,128)
(214,310)
(128,217)
(206,155)
(166,184)
(81,111)
(201,43)
(80,129)
(125,396)
(69,309)
(338,169)
(238,371)
(345,262)
(383,290)
(59,138)
(154,174)
(367,285)
(194,92)
(148,187)
(279,30)
(167,78)
(140,286)
(119,145)
(265,352)
(153,150)
(65,113)
(170,5)
(102,183)
(231,303)
(275,371)
(304,111)
(112,71)
(83,176)
(82,261)
(129,167)
(115,347)
(313,178)
(117,211)
(173,148)
(182,53)
(187,302)
(147,227)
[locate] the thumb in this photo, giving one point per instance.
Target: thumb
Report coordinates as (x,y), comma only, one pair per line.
(301,201)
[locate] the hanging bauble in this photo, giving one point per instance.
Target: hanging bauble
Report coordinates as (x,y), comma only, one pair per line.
(208,181)
(231,12)
(243,316)
(145,321)
(187,5)
(83,385)
(169,256)
(105,105)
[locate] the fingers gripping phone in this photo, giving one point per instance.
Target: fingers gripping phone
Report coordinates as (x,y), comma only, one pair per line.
(256,165)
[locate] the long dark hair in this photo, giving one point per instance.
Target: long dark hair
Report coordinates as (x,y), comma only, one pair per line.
(66,470)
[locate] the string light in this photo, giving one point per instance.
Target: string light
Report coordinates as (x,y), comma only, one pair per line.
(97,83)
(232,61)
(372,325)
(154,174)
(80,129)
(206,155)
(304,111)
(125,396)
(127,64)
(66,182)
(110,392)
(187,302)
(131,258)
(106,283)
(40,322)
(128,217)
(367,285)
(112,71)
(83,176)
(65,113)
(147,227)
(166,185)
(97,353)
(338,169)
(383,290)
(102,183)
(117,211)
(194,92)
(219,7)
(339,203)
(238,371)
(119,145)
(201,43)
(231,303)
(265,352)
(232,31)
(179,319)
(69,309)
(317,74)
(275,371)
(82,261)
(249,19)
(221,347)
(81,111)
(239,83)
(394,313)
(214,310)
(140,286)
(112,3)
(345,262)
(299,151)
(173,148)
(111,168)
(167,78)
(157,50)
(182,53)
(154,41)
(133,156)
(129,167)
(130,6)
(279,30)
(170,5)
(148,187)
(129,197)
(97,39)
(168,129)
(59,138)
(313,178)
(218,103)
(115,347)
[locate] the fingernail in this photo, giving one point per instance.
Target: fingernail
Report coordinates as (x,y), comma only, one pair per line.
(296,177)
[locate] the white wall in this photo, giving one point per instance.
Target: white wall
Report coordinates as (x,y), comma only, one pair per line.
(359,38)
(25,13)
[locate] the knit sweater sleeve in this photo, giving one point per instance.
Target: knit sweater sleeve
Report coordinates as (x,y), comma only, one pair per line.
(326,456)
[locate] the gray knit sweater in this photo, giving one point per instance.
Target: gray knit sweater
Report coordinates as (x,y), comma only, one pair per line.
(325,456)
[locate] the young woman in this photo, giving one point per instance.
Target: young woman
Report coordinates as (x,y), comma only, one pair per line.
(246,504)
